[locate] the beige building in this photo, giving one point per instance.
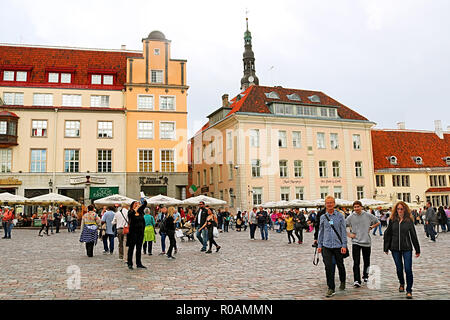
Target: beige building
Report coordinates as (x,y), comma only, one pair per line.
(412,165)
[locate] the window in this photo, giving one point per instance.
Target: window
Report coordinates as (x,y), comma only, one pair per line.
(438,181)
(167,161)
(145,130)
(145,102)
(157,76)
(156,52)
(334,143)
(296,139)
(108,79)
(320,140)
(3,127)
(230,171)
(282,140)
(332,113)
(38,160)
(5,160)
(204,177)
(96,79)
(283,169)
(400,181)
(393,160)
(43,99)
(358,169)
(21,76)
(380,181)
(256,168)
(356,142)
(167,130)
(272,95)
(211,175)
(314,98)
(72,129)
(324,112)
(360,192)
(336,169)
(257,196)
(338,192)
(220,173)
(406,197)
(299,193)
(71,100)
(71,160)
(166,103)
(294,97)
(298,168)
(323,192)
(284,192)
(99,101)
(105,129)
(198,178)
(323,169)
(229,140)
(145,160)
(221,194)
(8,76)
(104,160)
(66,78)
(53,77)
(13,98)
(254,138)
(39,128)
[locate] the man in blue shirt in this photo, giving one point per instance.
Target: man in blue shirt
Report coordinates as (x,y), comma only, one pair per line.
(107,219)
(331,245)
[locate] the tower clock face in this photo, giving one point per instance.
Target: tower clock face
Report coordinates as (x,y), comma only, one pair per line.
(251,79)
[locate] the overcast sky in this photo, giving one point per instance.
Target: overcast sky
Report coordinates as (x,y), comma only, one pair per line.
(387,60)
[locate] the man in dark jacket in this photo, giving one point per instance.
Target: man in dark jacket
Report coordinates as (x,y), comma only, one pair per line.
(299,224)
(429,222)
(200,219)
(262,217)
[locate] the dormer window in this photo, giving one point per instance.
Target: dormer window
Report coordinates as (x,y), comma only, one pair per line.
(393,160)
(9,75)
(56,77)
(418,160)
(447,160)
(272,95)
(102,79)
(294,97)
(314,98)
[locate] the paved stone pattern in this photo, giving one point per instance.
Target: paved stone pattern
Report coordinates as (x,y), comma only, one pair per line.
(36,268)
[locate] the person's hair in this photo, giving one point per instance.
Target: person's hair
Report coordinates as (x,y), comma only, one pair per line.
(441,210)
(407,212)
(171,211)
(357,202)
(132,205)
(330,197)
(110,208)
(146,211)
(90,207)
(429,202)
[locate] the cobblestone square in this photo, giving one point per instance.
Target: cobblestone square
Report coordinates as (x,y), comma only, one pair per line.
(37,268)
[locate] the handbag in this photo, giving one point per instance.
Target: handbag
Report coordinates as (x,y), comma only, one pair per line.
(126,229)
(347,253)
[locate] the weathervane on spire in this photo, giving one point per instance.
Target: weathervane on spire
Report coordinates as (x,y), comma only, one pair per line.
(246,17)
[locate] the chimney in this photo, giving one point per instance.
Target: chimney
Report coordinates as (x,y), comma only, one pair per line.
(225,102)
(438,129)
(123,47)
(401,126)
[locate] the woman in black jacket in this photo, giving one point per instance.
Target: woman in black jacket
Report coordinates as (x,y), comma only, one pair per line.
(400,237)
(135,237)
(442,219)
(169,225)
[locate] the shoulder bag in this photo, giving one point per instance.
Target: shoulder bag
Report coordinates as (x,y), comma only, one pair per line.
(126,229)
(347,253)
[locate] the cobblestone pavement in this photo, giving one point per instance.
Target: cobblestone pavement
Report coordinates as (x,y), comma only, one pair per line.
(36,268)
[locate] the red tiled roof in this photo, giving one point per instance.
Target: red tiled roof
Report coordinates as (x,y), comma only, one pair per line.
(438,190)
(254,100)
(5,113)
(42,60)
(405,145)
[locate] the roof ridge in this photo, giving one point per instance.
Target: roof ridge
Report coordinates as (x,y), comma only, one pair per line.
(67,48)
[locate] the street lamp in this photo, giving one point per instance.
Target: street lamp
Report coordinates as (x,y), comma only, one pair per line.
(50,185)
(418,199)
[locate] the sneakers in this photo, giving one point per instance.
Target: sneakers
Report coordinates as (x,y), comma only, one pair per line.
(209,251)
(142,267)
(409,295)
(401,288)
(171,257)
(105,252)
(330,293)
(218,248)
(366,280)
(357,284)
(342,286)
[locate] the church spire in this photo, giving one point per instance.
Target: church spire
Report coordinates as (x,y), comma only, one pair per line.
(249,77)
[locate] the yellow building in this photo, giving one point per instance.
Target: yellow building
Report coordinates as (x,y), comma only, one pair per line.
(156,106)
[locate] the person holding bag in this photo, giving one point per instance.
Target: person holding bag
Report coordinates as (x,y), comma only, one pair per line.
(211,222)
(135,237)
(122,228)
(332,242)
(89,226)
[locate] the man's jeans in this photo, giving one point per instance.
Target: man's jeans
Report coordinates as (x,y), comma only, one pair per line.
(356,254)
(264,231)
(403,260)
(163,242)
(50,225)
(430,231)
(328,255)
(375,230)
(252,230)
(202,236)
(111,242)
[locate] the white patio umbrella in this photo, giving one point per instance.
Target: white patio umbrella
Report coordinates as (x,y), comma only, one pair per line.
(269,205)
(193,201)
(372,202)
(282,204)
(12,199)
(114,199)
(52,198)
(297,203)
(318,202)
(343,203)
(161,199)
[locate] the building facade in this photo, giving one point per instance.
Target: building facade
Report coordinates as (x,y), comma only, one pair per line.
(412,165)
(156,104)
(274,143)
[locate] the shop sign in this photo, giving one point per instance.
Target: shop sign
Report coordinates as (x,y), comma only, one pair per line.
(330,181)
(204,189)
(149,180)
(101,192)
(87,179)
(10,181)
(290,181)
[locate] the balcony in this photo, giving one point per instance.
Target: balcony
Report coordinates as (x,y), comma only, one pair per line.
(8,129)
